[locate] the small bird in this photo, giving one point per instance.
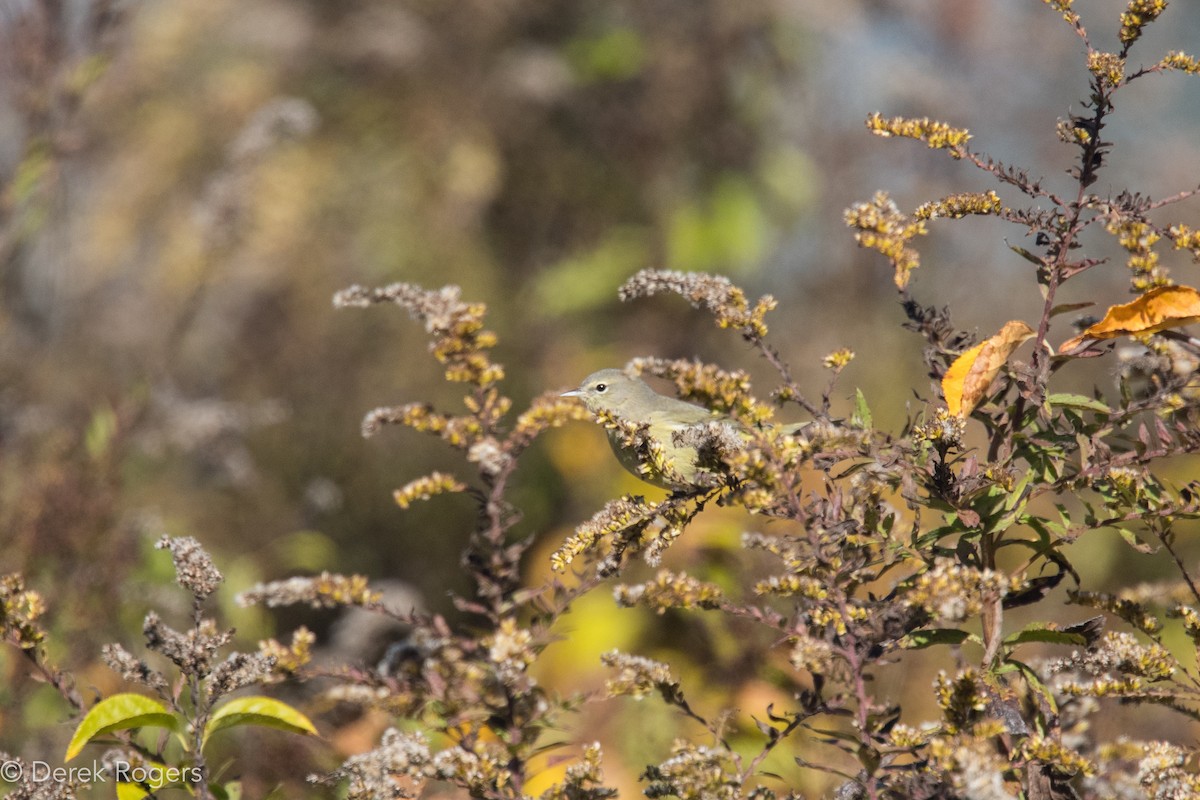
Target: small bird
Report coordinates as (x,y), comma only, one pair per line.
(678,427)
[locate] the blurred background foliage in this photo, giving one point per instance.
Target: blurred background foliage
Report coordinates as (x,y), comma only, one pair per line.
(185,184)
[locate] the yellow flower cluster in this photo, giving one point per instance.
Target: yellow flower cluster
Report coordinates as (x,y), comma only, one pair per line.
(1126,608)
(345,590)
(907,736)
(483,769)
(1181,61)
(1128,686)
(548,411)
(945,429)
(460,340)
(1121,665)
(957,206)
(582,777)
(1061,759)
(638,676)
(619,514)
(880,226)
(327,590)
(781,547)
(674,518)
(1191,620)
(509,647)
(1185,238)
(1138,238)
(19,612)
(1064,8)
(937,135)
(670,590)
(289,659)
(838,359)
(460,432)
(695,772)
(792,586)
(1069,132)
(814,655)
(1163,772)
(426,487)
(1137,15)
(1108,67)
(960,697)
(954,592)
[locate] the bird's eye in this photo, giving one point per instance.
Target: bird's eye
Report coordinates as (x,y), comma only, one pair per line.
(601,387)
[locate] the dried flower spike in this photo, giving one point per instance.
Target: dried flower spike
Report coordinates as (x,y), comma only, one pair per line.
(327,590)
(193,566)
(714,293)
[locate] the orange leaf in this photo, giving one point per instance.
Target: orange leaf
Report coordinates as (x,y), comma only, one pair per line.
(966,382)
(1156,310)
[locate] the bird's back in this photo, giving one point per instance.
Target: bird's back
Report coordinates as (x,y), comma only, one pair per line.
(678,413)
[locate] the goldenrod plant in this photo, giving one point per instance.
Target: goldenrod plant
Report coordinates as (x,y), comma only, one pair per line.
(819,605)
(948,542)
(156,738)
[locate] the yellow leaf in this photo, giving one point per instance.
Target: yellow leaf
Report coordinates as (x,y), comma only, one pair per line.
(137,782)
(262,711)
(966,382)
(545,770)
(465,731)
(131,791)
(1156,310)
(118,713)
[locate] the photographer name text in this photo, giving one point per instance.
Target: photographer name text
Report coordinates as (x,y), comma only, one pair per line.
(44,772)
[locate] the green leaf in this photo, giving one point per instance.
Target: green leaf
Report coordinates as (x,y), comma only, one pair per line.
(1078,401)
(1018,496)
(1034,634)
(117,713)
(835,735)
(1133,541)
(930,537)
(1067,308)
(929,637)
(862,412)
(1032,544)
(262,711)
(228,791)
(1035,682)
(1025,254)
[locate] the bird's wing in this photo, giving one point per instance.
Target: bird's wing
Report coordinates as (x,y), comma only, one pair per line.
(679,414)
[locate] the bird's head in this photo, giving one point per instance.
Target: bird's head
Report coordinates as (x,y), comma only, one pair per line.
(613,391)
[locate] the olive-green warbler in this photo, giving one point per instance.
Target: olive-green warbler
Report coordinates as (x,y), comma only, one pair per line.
(676,426)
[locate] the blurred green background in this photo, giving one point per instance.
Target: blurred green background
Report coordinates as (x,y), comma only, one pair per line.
(185,184)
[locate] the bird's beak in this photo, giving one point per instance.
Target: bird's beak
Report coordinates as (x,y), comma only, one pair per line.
(572,393)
